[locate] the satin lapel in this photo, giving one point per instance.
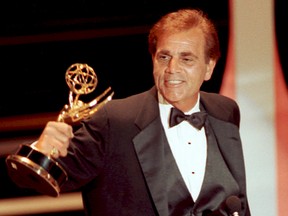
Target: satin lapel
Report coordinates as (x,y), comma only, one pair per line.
(229,144)
(226,133)
(219,181)
(149,145)
(228,138)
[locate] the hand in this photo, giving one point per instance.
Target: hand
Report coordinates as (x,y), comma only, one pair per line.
(55,138)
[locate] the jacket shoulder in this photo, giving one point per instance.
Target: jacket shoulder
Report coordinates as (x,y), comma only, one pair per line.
(221,107)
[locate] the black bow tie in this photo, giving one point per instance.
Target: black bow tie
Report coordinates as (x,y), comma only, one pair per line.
(195,119)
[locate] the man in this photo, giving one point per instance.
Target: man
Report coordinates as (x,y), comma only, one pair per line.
(128,159)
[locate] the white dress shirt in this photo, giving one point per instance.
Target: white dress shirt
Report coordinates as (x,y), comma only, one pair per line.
(188,146)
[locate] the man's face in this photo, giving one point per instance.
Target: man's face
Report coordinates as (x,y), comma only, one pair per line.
(180,67)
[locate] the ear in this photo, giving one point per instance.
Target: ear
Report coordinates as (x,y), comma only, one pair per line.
(209,69)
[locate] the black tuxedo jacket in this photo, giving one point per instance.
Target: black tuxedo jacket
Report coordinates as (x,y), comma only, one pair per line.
(117,159)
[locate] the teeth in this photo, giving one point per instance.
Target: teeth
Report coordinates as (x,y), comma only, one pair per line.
(174,81)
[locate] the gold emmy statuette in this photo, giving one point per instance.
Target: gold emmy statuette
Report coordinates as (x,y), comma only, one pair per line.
(28,167)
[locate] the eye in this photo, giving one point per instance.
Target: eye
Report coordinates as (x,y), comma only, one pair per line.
(187,60)
(163,57)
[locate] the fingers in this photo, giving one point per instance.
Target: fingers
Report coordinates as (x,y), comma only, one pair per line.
(54,140)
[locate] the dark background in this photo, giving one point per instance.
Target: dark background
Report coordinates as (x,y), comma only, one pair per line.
(39,40)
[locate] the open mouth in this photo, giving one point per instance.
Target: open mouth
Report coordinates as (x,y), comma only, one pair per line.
(174,82)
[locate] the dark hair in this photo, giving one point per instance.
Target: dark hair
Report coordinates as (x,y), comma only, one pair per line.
(182,20)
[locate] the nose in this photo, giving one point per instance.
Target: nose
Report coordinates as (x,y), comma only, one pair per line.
(173,66)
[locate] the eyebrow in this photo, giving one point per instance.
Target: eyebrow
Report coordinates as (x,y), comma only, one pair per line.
(184,54)
(166,52)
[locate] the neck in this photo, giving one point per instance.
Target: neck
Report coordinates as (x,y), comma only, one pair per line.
(184,106)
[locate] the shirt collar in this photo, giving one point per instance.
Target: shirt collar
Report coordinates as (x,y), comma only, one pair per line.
(165,108)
